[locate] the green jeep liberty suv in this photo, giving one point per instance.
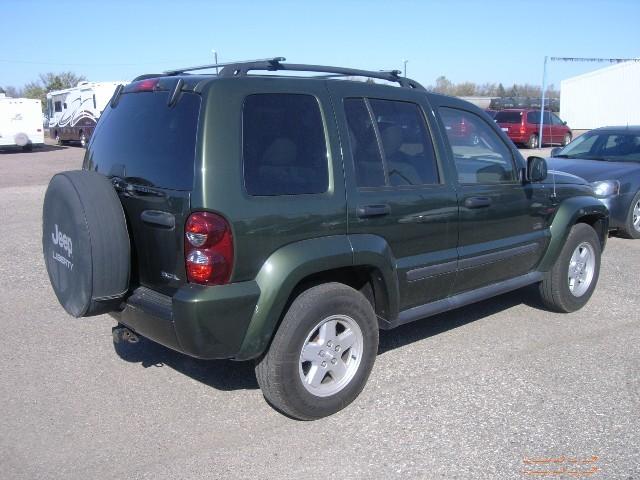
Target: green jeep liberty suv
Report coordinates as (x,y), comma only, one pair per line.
(252,214)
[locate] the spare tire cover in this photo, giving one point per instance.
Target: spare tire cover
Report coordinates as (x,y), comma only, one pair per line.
(85,243)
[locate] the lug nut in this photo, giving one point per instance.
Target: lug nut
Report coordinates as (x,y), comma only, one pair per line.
(333,361)
(324,364)
(329,344)
(322,353)
(337,348)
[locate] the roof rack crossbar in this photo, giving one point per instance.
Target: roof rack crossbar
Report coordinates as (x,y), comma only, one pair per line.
(243,68)
(214,65)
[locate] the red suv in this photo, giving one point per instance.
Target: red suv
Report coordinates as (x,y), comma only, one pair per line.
(523,125)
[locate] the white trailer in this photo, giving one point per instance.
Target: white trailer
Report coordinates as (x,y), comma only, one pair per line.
(74,112)
(20,122)
(609,96)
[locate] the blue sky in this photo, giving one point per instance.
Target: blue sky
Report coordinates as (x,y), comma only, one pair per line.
(481,41)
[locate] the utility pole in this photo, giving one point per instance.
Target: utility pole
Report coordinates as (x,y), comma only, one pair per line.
(405,67)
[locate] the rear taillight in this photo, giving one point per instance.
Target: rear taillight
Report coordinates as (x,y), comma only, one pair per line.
(523,128)
(208,249)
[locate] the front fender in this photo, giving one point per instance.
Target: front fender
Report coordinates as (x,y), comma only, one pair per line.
(569,213)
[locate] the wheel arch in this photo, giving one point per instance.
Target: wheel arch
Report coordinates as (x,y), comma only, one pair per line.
(582,209)
(299,266)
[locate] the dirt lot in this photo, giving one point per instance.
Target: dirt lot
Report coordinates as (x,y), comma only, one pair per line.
(472,394)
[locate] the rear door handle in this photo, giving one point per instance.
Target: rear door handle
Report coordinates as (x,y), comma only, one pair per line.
(477,202)
(377,210)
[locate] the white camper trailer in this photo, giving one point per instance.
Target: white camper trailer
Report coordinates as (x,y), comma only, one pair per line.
(20,122)
(74,112)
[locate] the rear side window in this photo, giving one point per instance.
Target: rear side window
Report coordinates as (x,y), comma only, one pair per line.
(147,141)
(396,150)
(508,117)
(284,146)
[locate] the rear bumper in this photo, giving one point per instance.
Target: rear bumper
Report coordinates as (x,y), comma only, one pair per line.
(203,322)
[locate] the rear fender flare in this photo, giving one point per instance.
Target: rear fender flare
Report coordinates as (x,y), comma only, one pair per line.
(290,265)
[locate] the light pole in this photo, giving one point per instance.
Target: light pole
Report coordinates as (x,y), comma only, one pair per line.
(544,87)
(405,67)
(215,57)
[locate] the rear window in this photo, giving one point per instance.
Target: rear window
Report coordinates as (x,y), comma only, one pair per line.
(508,117)
(147,141)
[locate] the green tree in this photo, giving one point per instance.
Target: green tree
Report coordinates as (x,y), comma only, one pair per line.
(500,91)
(49,82)
(443,85)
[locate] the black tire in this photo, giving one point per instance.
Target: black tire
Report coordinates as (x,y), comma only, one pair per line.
(629,231)
(554,288)
(532,142)
(28,147)
(85,243)
(566,140)
(278,371)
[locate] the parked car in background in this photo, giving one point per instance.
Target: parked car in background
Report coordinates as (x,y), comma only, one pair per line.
(491,113)
(523,127)
(20,122)
(461,129)
(609,158)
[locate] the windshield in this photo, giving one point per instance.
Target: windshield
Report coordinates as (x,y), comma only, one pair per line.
(605,146)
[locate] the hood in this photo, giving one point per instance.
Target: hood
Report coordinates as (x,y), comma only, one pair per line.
(593,170)
(564,178)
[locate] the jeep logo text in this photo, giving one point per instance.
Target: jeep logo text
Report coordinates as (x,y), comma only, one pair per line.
(63,241)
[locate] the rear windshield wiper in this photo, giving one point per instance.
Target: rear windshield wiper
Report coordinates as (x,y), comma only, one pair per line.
(134,186)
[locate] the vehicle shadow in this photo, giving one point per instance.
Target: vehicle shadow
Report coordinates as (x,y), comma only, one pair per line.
(223,375)
(428,327)
(41,149)
(228,375)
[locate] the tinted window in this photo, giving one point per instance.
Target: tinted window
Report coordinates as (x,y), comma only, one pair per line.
(58,106)
(556,120)
(145,140)
(364,144)
(284,147)
(508,117)
(481,157)
(408,152)
(533,117)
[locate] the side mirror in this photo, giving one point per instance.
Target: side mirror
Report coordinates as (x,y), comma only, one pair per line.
(555,151)
(536,169)
(564,123)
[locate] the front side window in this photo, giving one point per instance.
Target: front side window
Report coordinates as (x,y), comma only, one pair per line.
(390,143)
(284,146)
(480,156)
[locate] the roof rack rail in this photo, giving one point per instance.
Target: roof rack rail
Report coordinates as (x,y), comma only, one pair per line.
(242,68)
(178,71)
(239,69)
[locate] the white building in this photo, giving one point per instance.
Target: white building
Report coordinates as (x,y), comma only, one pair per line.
(606,97)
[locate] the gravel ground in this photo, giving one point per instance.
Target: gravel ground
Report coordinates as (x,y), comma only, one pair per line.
(466,395)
